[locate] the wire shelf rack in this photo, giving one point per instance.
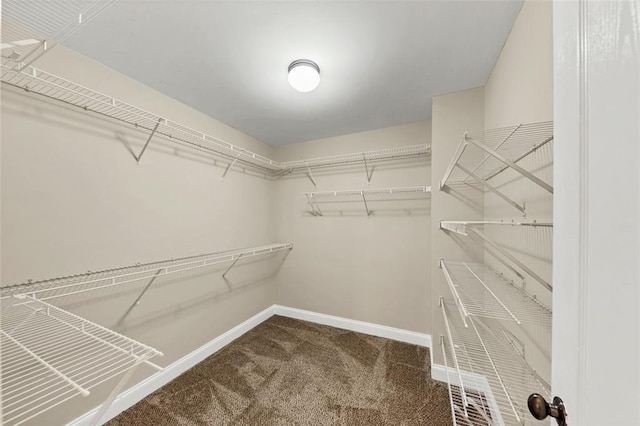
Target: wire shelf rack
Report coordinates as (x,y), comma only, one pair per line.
(54,87)
(500,150)
(32,28)
(470,229)
(359,157)
(479,291)
(91,281)
(493,381)
(366,195)
(50,355)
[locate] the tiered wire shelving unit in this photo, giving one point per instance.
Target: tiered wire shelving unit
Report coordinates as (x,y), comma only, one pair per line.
(488,381)
(501,149)
(50,355)
(488,371)
(365,196)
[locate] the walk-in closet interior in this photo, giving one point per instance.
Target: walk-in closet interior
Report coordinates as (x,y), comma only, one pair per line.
(168,191)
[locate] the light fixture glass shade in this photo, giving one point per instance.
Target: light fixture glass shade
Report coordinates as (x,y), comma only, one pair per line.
(304,75)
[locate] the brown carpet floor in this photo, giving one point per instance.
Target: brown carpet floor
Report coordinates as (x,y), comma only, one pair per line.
(290,372)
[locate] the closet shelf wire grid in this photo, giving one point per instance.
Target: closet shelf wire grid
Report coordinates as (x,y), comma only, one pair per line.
(470,230)
(31,29)
(50,355)
(479,291)
(55,87)
(483,155)
(494,381)
(91,281)
(382,194)
(358,157)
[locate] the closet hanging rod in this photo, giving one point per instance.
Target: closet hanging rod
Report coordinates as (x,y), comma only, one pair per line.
(82,283)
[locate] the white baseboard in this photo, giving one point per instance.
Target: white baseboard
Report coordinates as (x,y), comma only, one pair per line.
(397,334)
(472,382)
(138,392)
(135,394)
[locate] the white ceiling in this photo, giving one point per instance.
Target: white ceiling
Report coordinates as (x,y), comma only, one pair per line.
(380,62)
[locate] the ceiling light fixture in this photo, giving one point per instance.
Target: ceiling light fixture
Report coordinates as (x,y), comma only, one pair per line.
(304,75)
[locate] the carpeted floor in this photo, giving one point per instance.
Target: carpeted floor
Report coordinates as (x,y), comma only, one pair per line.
(290,372)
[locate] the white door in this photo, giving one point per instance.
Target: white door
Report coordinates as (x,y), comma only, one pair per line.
(596,300)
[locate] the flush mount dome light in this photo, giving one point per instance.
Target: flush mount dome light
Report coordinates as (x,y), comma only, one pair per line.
(304,75)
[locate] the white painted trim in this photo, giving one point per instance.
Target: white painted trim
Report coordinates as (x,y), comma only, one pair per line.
(371,329)
(472,382)
(138,392)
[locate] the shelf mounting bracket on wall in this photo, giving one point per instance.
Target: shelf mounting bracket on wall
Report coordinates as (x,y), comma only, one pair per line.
(144,148)
(511,164)
(454,161)
(511,258)
(484,160)
(364,200)
(113,395)
(366,168)
(137,301)
(310,175)
(492,188)
(526,154)
(224,276)
(231,164)
(315,208)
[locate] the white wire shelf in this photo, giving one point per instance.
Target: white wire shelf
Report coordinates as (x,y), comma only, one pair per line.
(500,150)
(50,356)
(359,157)
(366,195)
(52,86)
(470,229)
(470,407)
(493,381)
(479,291)
(31,28)
(91,281)
(460,226)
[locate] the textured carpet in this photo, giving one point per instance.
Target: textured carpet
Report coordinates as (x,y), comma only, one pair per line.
(290,372)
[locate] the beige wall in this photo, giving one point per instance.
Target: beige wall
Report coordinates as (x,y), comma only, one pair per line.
(520,90)
(74,199)
(453,114)
(520,87)
(371,269)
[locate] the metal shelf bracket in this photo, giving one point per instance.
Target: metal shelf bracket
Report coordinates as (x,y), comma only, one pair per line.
(144,148)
